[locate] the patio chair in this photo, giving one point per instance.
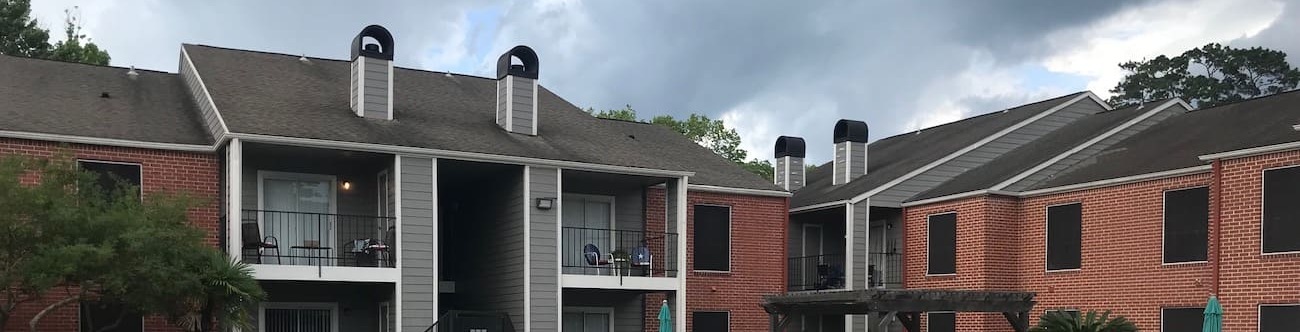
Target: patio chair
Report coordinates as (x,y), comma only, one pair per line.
(641,257)
(592,254)
(829,277)
(253,240)
(382,249)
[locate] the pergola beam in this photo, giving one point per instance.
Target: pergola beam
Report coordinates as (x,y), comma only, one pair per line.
(904,304)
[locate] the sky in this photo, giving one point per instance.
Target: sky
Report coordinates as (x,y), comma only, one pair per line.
(767,68)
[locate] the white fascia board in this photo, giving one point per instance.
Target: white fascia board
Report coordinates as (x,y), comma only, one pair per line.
(1255,151)
(738,191)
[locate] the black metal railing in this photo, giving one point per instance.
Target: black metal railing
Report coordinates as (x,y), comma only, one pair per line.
(596,251)
(816,272)
(317,239)
(885,270)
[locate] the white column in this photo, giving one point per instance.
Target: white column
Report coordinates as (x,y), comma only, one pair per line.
(437,237)
(682,232)
(397,262)
(234,193)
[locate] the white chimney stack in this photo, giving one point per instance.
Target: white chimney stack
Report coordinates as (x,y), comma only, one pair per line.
(850,151)
(372,73)
(517,91)
(789,172)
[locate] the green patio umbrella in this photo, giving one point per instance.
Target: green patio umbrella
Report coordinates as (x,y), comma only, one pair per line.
(665,318)
(1213,316)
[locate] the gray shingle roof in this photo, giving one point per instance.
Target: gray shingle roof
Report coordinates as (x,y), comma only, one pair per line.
(1179,141)
(1030,155)
(893,157)
(52,97)
(276,94)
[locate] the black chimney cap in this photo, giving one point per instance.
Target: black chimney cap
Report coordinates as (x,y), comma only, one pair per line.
(850,131)
(525,55)
(381,35)
(789,146)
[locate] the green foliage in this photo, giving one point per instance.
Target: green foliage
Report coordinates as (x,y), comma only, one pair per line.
(21,35)
(1060,321)
(712,134)
(228,295)
(1207,76)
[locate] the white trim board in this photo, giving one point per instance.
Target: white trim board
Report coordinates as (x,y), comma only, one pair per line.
(577,281)
(325,273)
(528,249)
(204,86)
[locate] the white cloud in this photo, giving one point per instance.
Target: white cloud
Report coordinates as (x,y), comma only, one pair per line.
(1147,31)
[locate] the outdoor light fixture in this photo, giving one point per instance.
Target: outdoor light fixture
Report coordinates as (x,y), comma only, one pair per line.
(347,185)
(545,203)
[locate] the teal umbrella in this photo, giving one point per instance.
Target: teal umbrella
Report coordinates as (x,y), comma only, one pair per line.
(1213,316)
(665,318)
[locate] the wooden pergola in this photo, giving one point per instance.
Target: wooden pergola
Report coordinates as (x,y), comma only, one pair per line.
(905,304)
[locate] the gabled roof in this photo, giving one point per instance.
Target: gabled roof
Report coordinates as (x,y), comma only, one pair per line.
(279,95)
(1024,158)
(1177,143)
(63,98)
(892,157)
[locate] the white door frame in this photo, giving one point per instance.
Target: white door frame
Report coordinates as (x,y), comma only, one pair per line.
(332,306)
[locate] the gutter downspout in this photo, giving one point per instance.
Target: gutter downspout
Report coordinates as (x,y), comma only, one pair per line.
(1217,166)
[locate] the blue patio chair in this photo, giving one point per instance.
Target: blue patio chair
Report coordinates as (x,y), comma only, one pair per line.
(593,256)
(641,257)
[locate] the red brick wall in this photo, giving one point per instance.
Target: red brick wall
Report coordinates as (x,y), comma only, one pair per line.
(195,174)
(1250,278)
(1001,245)
(758,258)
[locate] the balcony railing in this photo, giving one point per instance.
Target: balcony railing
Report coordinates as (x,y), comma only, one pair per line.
(816,272)
(595,251)
(317,239)
(884,270)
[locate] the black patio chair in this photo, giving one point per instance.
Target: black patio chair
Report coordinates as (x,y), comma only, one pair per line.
(253,240)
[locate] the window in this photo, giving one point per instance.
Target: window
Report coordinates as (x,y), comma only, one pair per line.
(702,321)
(588,319)
(1181,319)
(97,316)
(942,244)
(1064,236)
(299,317)
(1281,213)
(712,238)
(941,322)
(1279,318)
(109,175)
(1187,224)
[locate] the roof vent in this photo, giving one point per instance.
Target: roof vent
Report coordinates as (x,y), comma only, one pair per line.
(304,59)
(104,95)
(1295,127)
(131,74)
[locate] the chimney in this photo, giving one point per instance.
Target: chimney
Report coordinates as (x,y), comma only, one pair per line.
(517,91)
(850,151)
(372,73)
(789,174)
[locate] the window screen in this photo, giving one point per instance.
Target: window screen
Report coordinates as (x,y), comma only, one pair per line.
(712,238)
(1187,224)
(941,322)
(1281,213)
(1279,318)
(702,321)
(1181,319)
(942,244)
(110,175)
(1064,236)
(97,316)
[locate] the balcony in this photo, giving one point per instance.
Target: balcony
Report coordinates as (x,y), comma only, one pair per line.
(885,270)
(619,253)
(317,239)
(816,272)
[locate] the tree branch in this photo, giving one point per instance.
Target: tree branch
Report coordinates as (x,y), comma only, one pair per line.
(48,309)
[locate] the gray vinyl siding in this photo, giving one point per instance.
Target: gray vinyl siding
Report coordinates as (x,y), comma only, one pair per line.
(376,88)
(987,152)
(543,256)
(861,213)
(629,308)
(794,176)
(780,177)
(838,177)
(419,284)
(492,279)
(1087,155)
(211,119)
(522,108)
(858,164)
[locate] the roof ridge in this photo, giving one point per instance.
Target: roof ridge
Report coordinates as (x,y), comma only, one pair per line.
(23,58)
(1251,99)
(334,60)
(982,115)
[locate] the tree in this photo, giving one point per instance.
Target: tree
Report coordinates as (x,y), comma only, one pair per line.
(1206,76)
(227,296)
(712,134)
(65,239)
(1061,321)
(21,35)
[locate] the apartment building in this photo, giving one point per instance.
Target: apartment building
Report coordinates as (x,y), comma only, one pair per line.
(370,197)
(1145,210)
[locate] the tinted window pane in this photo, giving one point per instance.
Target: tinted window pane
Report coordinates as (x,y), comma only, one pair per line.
(941,322)
(1279,318)
(1064,236)
(942,244)
(712,238)
(1281,213)
(110,175)
(1182,319)
(97,316)
(1187,224)
(709,321)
